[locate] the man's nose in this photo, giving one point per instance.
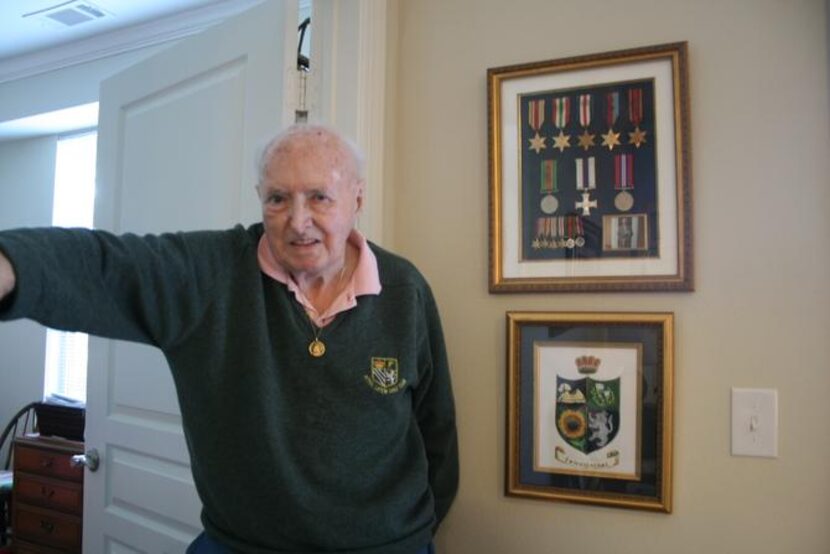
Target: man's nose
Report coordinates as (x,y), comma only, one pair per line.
(299,217)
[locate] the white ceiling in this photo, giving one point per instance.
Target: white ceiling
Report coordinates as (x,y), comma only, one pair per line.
(28,26)
(40,35)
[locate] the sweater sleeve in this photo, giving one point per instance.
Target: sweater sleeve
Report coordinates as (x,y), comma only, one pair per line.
(150,289)
(435,412)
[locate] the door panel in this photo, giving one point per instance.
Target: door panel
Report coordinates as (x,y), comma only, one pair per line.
(177,139)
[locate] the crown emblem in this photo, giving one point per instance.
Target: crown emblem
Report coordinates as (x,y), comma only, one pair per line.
(587,365)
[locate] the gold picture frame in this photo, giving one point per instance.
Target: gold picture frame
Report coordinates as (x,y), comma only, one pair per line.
(578,144)
(590,407)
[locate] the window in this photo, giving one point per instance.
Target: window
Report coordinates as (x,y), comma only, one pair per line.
(73,206)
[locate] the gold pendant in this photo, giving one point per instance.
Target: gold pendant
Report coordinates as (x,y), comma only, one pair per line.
(316,348)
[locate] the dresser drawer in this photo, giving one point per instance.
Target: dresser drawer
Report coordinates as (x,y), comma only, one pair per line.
(44,461)
(64,496)
(23,547)
(47,527)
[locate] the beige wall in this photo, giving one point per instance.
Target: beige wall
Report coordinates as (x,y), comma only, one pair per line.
(760,315)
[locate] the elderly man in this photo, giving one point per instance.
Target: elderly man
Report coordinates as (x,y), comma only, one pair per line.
(295,341)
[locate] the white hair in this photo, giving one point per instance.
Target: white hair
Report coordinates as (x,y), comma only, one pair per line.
(303,129)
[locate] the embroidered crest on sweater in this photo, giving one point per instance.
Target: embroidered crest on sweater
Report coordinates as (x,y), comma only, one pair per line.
(384,376)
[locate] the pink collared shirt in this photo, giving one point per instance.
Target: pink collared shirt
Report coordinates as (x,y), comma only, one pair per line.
(365,279)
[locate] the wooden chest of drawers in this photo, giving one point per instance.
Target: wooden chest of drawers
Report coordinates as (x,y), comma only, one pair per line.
(48,496)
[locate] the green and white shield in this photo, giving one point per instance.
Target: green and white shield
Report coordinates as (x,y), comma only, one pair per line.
(587,412)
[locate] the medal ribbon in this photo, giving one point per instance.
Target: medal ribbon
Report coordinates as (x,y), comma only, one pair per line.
(585,110)
(612,108)
(623,171)
(580,230)
(536,114)
(635,106)
(550,183)
(561,111)
(585,173)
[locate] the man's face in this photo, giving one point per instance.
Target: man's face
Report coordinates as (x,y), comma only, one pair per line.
(310,196)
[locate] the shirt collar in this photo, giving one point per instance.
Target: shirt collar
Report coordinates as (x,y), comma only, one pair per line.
(365,278)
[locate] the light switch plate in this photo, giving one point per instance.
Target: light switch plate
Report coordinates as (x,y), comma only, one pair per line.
(755,422)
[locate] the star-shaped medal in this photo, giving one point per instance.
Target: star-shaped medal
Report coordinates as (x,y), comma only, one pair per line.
(536,244)
(537,143)
(611,139)
(586,140)
(562,141)
(637,137)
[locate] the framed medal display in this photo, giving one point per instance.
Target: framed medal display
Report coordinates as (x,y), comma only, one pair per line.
(589,408)
(590,186)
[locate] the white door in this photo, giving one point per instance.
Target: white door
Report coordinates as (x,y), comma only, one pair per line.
(177,138)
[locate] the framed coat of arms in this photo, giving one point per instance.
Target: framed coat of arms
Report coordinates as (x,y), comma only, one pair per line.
(590,407)
(590,179)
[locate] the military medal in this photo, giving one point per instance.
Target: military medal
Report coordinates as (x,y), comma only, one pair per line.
(575,232)
(557,232)
(561,117)
(635,114)
(541,240)
(562,141)
(550,185)
(570,242)
(549,233)
(561,241)
(585,173)
(535,117)
(550,204)
(612,112)
(585,204)
(540,230)
(586,139)
(624,181)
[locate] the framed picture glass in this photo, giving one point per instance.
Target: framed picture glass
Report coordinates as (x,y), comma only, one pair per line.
(590,407)
(590,186)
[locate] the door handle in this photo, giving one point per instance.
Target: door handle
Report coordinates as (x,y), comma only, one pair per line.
(91,460)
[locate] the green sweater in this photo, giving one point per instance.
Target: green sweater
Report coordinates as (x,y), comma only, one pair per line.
(352,452)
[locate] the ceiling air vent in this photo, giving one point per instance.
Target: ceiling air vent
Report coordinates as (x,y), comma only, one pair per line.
(70,13)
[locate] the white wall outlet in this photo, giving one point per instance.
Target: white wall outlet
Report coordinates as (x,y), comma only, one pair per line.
(755,422)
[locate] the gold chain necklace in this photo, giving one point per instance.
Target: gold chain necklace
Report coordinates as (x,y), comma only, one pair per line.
(316,347)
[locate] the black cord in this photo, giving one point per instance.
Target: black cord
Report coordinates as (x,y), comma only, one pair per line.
(302,61)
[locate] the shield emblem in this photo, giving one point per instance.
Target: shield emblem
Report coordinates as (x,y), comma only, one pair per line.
(385,372)
(587,412)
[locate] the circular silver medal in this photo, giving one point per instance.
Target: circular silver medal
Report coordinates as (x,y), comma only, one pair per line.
(580,241)
(624,201)
(570,243)
(550,204)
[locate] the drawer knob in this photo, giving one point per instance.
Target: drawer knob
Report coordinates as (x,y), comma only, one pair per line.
(47,525)
(91,460)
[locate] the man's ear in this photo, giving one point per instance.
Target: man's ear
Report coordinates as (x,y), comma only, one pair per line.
(360,189)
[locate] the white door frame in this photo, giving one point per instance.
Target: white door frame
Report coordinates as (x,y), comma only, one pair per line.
(347,89)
